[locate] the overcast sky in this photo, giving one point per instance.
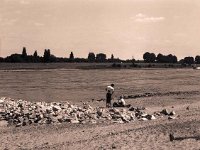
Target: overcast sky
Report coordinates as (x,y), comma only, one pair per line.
(124,27)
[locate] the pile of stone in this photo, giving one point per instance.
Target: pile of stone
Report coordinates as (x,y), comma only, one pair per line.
(170,114)
(22,113)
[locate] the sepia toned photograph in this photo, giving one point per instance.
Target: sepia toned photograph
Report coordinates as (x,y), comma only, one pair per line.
(99,75)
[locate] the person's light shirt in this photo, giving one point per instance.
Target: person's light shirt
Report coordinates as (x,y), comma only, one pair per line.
(110,89)
(122,101)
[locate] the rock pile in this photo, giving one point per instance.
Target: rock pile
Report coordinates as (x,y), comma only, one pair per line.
(22,113)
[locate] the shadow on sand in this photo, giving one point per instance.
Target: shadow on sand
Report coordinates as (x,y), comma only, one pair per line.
(172,138)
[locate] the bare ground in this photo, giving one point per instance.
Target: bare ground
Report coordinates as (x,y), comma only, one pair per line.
(135,135)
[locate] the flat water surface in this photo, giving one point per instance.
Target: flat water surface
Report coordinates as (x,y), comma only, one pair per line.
(80,85)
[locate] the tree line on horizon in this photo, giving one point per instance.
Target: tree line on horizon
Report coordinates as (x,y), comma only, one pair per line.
(160,58)
(100,57)
(50,58)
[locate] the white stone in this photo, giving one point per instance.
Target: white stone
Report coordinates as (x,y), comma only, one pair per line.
(143,119)
(171,117)
(74,121)
(153,117)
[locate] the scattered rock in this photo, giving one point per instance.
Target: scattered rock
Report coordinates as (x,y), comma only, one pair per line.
(113,146)
(118,121)
(132,108)
(172,113)
(171,117)
(171,137)
(150,117)
(143,119)
(93,121)
(22,113)
(2,100)
(144,115)
(74,121)
(56,108)
(165,112)
(153,117)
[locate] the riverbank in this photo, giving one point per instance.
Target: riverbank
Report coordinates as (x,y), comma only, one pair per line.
(152,134)
(41,66)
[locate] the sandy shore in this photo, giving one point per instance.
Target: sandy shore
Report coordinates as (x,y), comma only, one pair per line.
(153,134)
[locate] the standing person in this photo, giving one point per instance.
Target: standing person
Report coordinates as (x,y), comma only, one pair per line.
(109,94)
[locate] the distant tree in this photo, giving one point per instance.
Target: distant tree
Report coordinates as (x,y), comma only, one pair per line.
(35,54)
(189,60)
(145,56)
(197,59)
(14,58)
(1,59)
(133,60)
(149,57)
(52,58)
(181,61)
(71,56)
(47,55)
(91,57)
(112,57)
(153,57)
(101,57)
(36,58)
(160,58)
(171,59)
(24,54)
(175,59)
(80,60)
(166,59)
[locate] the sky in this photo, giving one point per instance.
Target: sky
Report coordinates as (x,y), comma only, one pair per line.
(126,28)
